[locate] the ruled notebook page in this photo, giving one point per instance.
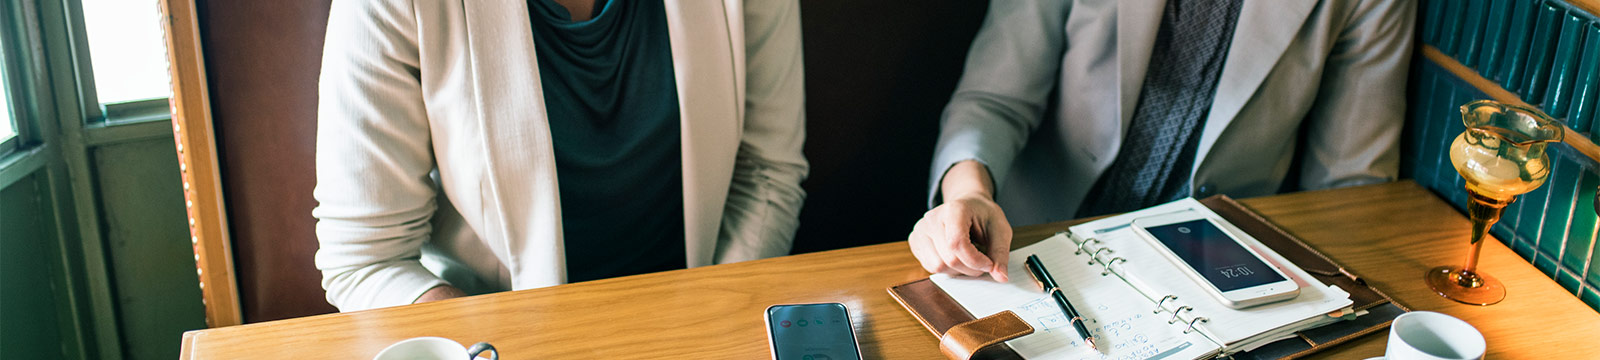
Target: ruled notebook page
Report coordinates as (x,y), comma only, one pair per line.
(1153,273)
(1120,319)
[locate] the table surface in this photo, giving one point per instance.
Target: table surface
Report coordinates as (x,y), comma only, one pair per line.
(1389,234)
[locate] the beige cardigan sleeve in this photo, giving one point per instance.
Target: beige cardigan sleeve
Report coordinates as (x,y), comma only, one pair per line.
(374,196)
(764,198)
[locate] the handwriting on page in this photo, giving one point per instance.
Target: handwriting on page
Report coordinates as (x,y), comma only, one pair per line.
(1117,316)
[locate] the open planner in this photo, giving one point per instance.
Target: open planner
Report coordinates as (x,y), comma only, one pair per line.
(1138,304)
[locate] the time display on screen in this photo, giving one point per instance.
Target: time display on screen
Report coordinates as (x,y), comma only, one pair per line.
(1213,254)
(1235,271)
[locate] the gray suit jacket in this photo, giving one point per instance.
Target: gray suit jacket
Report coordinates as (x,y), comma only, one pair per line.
(1326,77)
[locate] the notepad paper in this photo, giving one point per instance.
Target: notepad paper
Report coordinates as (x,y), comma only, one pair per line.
(1153,273)
(1120,319)
(1121,313)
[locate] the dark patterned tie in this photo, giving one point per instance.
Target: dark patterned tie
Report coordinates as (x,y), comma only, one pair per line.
(1157,152)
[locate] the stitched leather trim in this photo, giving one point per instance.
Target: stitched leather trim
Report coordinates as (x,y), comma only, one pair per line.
(963,341)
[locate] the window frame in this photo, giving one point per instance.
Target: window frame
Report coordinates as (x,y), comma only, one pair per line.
(96,114)
(12,65)
(59,124)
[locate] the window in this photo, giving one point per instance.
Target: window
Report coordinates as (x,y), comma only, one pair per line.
(129,57)
(8,127)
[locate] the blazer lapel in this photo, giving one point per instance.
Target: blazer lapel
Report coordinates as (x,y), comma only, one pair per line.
(1264,31)
(704,64)
(519,161)
(1137,23)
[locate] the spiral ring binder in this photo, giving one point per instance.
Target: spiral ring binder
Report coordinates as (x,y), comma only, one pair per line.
(1107,267)
(1191,324)
(1084,243)
(1163,301)
(1095,247)
(1095,257)
(1179,311)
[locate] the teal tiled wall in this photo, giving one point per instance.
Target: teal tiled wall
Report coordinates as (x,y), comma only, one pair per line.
(1548,53)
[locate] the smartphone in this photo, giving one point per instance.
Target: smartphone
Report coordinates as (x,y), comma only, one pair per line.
(1229,270)
(811,332)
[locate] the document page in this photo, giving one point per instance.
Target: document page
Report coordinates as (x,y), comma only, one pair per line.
(1154,273)
(1120,319)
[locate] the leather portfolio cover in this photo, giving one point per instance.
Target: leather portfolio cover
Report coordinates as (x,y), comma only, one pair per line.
(938,312)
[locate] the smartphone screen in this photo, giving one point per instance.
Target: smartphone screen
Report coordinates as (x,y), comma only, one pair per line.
(811,332)
(1212,253)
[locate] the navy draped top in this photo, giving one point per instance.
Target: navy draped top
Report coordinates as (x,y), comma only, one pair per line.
(612,103)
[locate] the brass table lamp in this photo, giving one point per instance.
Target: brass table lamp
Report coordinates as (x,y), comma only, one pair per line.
(1501,155)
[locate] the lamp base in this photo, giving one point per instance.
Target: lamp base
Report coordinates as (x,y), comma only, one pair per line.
(1447,281)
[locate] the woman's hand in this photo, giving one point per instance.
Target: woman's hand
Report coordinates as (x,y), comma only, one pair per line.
(441,292)
(948,238)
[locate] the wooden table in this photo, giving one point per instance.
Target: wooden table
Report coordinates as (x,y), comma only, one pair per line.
(1390,234)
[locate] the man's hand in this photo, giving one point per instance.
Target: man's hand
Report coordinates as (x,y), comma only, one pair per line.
(947,238)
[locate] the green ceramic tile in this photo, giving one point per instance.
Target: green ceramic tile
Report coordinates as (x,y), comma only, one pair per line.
(1503,233)
(1569,282)
(1591,297)
(1558,209)
(1450,27)
(1594,266)
(1428,108)
(1494,37)
(1441,112)
(1432,20)
(1508,221)
(1528,225)
(1545,265)
(1471,32)
(1594,124)
(1541,45)
(1416,121)
(1446,179)
(1531,214)
(1513,63)
(1564,66)
(1524,248)
(1586,84)
(1581,234)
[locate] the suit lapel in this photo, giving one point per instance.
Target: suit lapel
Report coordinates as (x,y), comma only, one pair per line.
(1264,31)
(1137,23)
(703,58)
(519,162)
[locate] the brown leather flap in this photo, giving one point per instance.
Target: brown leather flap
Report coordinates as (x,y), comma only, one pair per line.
(940,314)
(969,340)
(933,307)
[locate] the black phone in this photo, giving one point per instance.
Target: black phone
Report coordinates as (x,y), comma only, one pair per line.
(811,332)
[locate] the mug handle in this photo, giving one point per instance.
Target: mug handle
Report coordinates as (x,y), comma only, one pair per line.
(472,352)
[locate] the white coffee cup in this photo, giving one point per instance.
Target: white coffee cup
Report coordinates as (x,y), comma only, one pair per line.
(1427,335)
(434,348)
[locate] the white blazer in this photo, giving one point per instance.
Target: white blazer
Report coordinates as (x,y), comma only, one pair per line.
(1327,77)
(432,133)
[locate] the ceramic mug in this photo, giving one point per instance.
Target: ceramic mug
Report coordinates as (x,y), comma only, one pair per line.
(434,348)
(1427,335)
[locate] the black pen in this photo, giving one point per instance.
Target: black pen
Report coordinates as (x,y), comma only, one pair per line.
(1048,284)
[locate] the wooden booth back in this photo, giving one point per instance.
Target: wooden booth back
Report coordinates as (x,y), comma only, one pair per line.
(262,60)
(877,73)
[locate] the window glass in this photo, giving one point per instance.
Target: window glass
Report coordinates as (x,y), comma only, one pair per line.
(8,128)
(127,50)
